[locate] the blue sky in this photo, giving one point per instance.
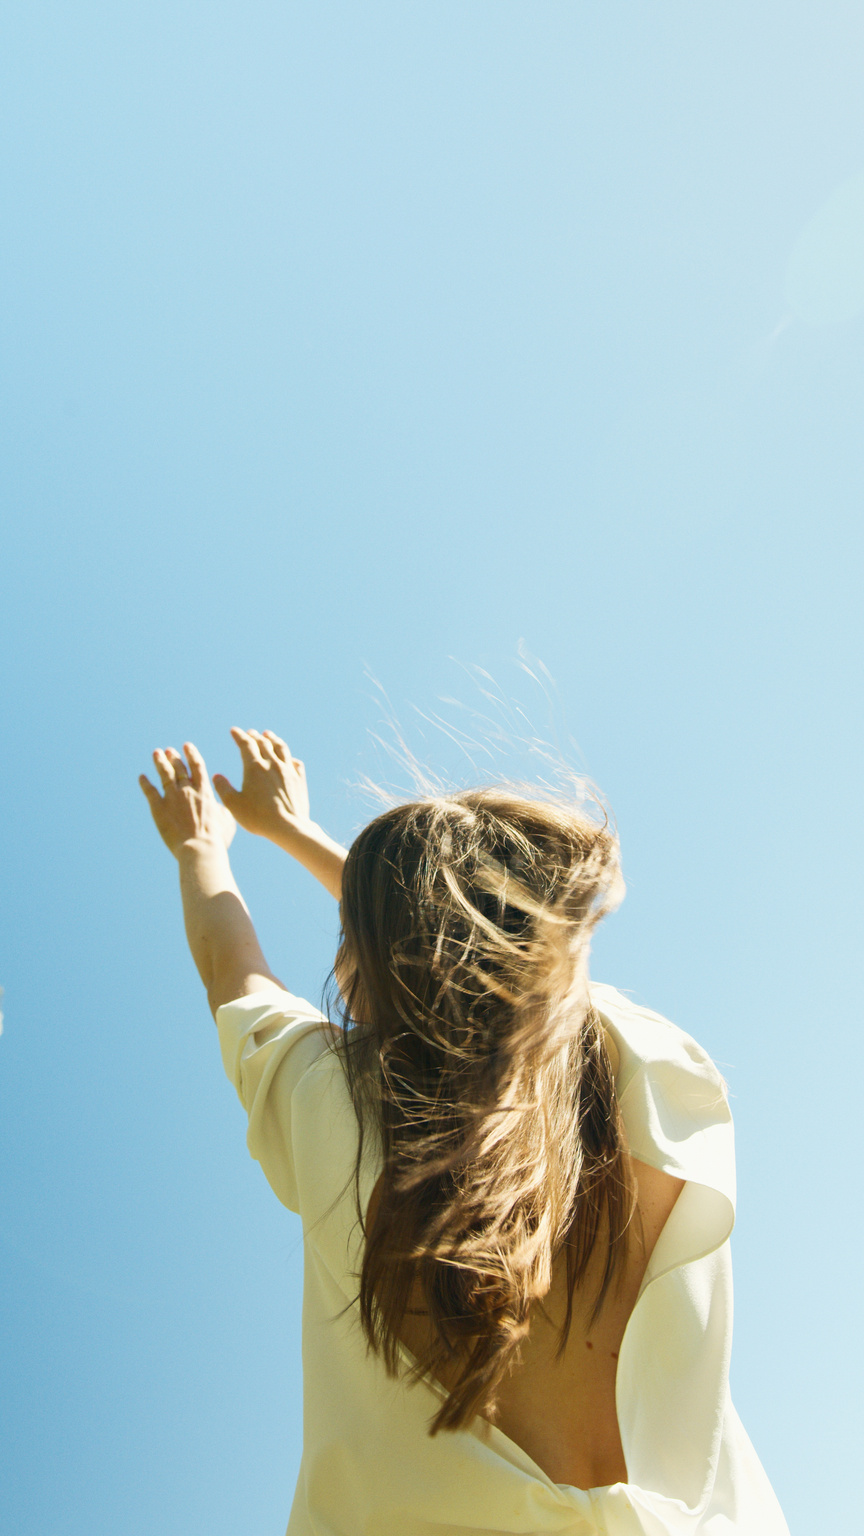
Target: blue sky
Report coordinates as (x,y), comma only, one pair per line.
(347,340)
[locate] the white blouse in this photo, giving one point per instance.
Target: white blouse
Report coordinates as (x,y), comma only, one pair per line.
(369,1466)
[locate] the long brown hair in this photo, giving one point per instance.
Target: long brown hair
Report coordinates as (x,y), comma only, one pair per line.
(472,1050)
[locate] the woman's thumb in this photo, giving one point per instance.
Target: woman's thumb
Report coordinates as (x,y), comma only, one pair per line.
(224,790)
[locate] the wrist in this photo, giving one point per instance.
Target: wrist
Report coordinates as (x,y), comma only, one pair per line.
(292,830)
(204,847)
(311,846)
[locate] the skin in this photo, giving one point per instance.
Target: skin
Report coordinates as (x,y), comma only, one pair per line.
(272,802)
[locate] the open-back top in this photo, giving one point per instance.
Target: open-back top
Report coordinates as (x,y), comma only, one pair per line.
(369,1465)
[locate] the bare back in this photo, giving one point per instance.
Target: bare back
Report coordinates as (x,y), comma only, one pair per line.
(563,1411)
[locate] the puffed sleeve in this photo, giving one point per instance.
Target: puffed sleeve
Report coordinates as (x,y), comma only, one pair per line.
(267,1045)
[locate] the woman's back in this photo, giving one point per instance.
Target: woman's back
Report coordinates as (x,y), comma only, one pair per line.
(369,1463)
(563,1411)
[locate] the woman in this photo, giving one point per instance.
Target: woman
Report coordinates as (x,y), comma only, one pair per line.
(516,1187)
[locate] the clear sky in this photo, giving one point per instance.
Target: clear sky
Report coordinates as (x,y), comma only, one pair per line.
(379,338)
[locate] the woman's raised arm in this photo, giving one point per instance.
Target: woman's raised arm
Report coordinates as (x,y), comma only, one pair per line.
(198,831)
(273,802)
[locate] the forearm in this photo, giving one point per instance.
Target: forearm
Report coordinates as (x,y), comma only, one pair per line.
(219,930)
(310,845)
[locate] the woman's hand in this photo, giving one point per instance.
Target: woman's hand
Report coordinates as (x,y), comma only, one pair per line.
(273,801)
(188,811)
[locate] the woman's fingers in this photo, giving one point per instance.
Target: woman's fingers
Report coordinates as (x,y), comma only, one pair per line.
(197,765)
(164,767)
(280,747)
(248,746)
(175,758)
(280,750)
(275,749)
(265,748)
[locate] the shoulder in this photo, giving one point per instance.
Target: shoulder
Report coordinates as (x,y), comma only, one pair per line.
(644,1038)
(673,1098)
(266,1031)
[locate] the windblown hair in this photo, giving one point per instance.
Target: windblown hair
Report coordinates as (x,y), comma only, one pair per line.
(473,1051)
